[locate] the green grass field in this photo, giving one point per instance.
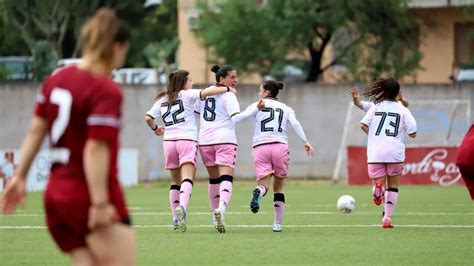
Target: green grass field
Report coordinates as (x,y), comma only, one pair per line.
(434,226)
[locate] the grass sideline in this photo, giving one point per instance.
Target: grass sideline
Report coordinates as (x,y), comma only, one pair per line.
(434,225)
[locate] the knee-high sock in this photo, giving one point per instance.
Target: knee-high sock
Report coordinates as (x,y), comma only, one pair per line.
(213,192)
(225,191)
(279,205)
(174,199)
(391,198)
(185,193)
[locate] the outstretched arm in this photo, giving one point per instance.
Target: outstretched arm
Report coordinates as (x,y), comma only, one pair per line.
(214,90)
(300,133)
(251,110)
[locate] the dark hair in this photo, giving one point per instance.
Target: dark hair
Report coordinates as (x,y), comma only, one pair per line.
(176,82)
(273,87)
(100,32)
(382,89)
(221,71)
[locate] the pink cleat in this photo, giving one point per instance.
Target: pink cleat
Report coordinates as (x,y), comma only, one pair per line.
(378,193)
(387,223)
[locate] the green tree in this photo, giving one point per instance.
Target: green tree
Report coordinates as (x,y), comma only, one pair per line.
(11,42)
(263,36)
(59,23)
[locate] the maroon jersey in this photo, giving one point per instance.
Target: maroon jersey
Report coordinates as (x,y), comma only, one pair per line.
(80,106)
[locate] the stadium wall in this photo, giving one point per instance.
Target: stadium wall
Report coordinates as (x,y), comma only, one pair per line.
(321,109)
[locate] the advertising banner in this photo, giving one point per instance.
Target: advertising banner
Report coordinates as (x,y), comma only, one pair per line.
(423,166)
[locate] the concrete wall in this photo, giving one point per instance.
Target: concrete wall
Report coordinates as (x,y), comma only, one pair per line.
(321,109)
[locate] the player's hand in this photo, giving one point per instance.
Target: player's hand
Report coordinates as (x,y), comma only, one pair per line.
(233,90)
(309,149)
(13,195)
(160,131)
(102,215)
(261,104)
(354,92)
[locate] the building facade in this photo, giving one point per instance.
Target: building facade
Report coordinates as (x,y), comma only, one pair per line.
(446,44)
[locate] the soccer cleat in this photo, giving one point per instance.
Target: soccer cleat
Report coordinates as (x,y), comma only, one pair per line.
(387,223)
(219,217)
(175,224)
(181,213)
(378,190)
(277,228)
(214,221)
(255,202)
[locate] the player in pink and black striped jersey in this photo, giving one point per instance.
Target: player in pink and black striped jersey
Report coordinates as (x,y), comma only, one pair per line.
(386,123)
(176,109)
(270,143)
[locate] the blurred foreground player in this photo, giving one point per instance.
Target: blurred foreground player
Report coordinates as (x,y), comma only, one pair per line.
(79,108)
(465,160)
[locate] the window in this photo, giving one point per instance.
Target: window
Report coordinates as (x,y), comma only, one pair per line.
(463,44)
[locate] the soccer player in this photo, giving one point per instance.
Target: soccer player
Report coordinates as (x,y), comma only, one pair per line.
(270,143)
(79,108)
(365,106)
(218,142)
(176,108)
(465,160)
(385,123)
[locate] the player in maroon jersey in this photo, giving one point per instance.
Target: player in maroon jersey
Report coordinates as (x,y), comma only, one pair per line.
(79,108)
(465,160)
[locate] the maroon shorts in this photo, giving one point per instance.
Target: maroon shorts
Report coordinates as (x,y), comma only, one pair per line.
(67,205)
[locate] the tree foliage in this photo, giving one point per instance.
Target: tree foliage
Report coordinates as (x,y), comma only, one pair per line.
(58,22)
(263,36)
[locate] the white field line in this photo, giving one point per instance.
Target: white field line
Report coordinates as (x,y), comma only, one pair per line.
(441,226)
(307,206)
(286,213)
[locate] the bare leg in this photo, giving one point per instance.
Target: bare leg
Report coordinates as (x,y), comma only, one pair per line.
(82,257)
(113,245)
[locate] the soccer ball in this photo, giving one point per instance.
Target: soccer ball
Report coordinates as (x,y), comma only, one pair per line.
(346,204)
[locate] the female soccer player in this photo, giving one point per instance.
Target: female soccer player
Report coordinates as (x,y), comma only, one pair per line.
(385,123)
(270,143)
(465,160)
(365,106)
(218,142)
(79,108)
(176,108)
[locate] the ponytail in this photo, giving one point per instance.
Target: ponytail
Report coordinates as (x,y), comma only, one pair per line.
(273,87)
(100,33)
(221,71)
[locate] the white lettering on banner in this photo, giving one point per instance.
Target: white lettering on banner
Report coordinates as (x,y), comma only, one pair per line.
(39,171)
(432,162)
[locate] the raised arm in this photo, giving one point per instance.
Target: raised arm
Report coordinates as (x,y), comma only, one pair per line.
(355,97)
